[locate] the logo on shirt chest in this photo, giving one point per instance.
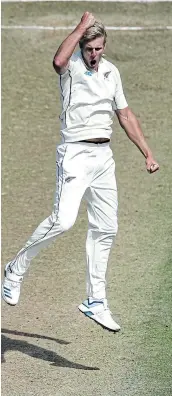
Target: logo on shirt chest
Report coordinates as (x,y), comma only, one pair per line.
(88,73)
(106,75)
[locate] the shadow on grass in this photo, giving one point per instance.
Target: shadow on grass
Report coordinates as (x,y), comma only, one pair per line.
(8,344)
(32,335)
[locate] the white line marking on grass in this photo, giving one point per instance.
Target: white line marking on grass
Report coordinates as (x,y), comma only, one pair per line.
(123,28)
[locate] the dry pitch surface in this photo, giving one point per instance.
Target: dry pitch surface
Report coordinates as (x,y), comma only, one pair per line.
(48,347)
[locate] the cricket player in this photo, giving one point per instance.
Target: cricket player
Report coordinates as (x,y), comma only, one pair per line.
(91,93)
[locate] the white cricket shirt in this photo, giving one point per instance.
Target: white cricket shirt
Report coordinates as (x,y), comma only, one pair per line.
(89,99)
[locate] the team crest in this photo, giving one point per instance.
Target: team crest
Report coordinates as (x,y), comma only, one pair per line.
(106,75)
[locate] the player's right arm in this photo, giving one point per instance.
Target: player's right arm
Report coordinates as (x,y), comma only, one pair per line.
(66,49)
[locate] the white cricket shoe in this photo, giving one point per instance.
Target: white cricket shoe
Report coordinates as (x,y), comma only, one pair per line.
(11,286)
(99,311)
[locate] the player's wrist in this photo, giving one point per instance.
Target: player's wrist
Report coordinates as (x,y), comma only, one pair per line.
(148,155)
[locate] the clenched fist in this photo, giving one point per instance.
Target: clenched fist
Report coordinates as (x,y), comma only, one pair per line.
(87,20)
(151,165)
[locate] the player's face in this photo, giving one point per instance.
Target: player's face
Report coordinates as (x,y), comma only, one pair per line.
(92,52)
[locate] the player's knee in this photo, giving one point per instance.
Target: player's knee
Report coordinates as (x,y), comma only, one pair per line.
(63,223)
(66,223)
(109,230)
(115,228)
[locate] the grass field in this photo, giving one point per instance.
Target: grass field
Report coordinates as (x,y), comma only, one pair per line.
(48,347)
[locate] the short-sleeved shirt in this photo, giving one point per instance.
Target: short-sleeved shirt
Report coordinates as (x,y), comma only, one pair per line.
(89,99)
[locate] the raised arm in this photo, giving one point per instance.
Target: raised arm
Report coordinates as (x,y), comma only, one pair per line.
(131,126)
(65,51)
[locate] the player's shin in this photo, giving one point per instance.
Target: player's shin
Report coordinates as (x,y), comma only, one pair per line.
(98,247)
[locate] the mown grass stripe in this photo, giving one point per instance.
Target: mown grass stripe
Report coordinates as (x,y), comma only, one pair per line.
(120,28)
(90,1)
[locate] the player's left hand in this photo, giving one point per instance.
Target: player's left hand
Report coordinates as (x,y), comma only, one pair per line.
(151,165)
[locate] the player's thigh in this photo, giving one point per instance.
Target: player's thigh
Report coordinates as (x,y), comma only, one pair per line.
(102,202)
(71,183)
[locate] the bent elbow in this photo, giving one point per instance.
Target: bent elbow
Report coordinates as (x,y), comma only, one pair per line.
(59,65)
(56,63)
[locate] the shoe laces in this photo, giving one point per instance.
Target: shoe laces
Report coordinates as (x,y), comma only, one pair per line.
(13,284)
(12,277)
(105,304)
(106,311)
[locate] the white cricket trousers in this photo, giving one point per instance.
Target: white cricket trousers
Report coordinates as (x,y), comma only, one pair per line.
(83,170)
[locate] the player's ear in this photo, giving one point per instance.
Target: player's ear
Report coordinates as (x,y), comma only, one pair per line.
(103,51)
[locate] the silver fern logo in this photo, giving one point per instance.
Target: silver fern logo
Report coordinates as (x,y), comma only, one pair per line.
(69,178)
(106,75)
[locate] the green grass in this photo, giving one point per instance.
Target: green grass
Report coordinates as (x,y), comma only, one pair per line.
(69,13)
(137,361)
